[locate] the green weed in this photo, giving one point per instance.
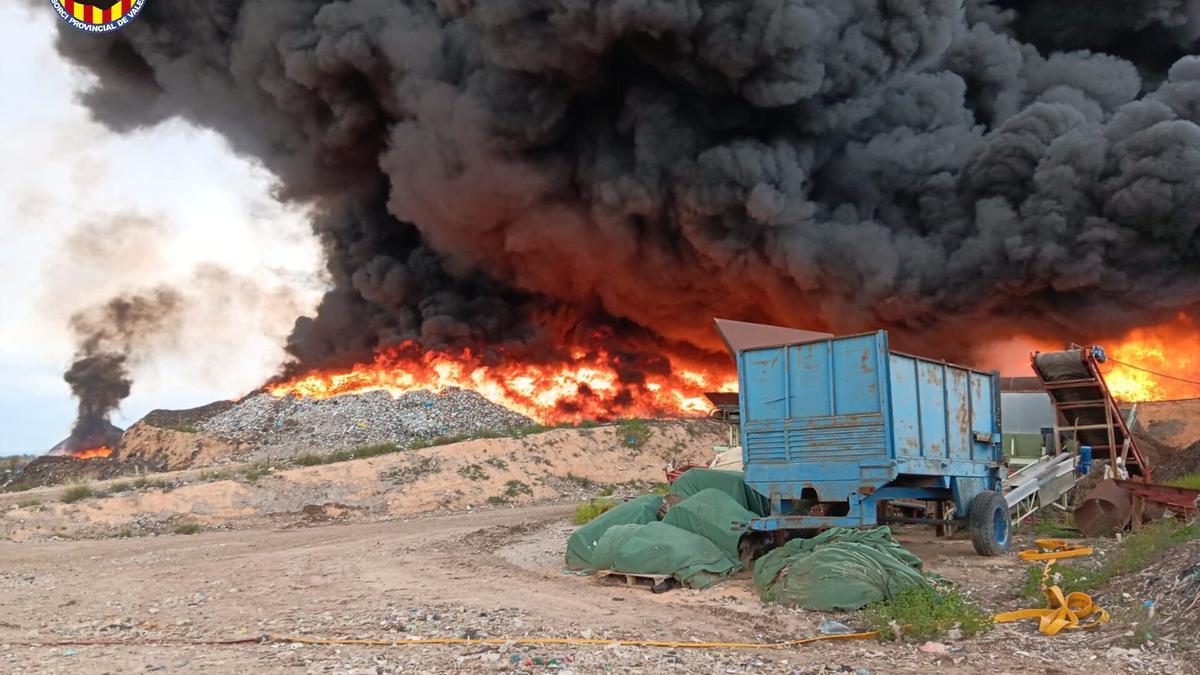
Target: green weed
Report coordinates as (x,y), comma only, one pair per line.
(188,528)
(119,487)
(496,462)
(588,511)
(473,472)
(585,483)
(1050,526)
(515,488)
(926,613)
(1190,481)
(418,467)
(377,450)
(634,433)
(18,486)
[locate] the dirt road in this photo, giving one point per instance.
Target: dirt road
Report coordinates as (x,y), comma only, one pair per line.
(489,574)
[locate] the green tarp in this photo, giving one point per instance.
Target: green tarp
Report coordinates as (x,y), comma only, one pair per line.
(729,482)
(659,548)
(711,513)
(583,542)
(841,568)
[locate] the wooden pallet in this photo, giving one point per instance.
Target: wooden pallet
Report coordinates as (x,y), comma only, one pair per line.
(633,579)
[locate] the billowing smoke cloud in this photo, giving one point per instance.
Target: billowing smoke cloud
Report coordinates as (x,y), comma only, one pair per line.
(532,173)
(108,337)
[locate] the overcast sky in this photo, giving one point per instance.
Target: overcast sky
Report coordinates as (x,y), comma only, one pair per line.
(86,214)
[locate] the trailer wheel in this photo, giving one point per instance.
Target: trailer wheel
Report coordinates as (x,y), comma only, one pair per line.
(991,528)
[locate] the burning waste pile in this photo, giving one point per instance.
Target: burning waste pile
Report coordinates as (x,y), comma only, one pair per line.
(278,427)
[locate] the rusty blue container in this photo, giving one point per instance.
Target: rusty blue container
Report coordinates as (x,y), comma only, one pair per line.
(832,429)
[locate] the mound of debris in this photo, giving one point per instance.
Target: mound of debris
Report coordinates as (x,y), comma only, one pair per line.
(1169,433)
(276,427)
(59,469)
(1171,586)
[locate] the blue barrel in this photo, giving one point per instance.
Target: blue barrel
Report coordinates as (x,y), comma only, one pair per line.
(1085,460)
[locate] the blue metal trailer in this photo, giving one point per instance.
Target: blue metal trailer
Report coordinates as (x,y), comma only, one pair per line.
(832,429)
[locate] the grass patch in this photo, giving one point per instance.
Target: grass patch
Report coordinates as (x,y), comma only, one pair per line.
(18,486)
(1135,551)
(585,483)
(143,483)
(515,488)
(26,503)
(440,440)
(185,429)
(188,528)
(257,470)
(926,613)
(1049,526)
(77,493)
(418,467)
(512,490)
(634,433)
(496,462)
(308,459)
(377,450)
(473,472)
(1190,481)
(588,511)
(125,533)
(119,487)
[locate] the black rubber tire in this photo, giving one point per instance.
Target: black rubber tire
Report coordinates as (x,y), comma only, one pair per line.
(990,524)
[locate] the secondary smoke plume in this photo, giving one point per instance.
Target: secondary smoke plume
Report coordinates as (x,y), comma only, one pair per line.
(108,337)
(534,176)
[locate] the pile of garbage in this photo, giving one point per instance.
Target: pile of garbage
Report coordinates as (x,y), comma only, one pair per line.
(277,427)
(691,535)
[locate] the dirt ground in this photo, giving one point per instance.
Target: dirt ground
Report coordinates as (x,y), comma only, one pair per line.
(494,573)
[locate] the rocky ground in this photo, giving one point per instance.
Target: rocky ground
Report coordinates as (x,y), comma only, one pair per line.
(493,574)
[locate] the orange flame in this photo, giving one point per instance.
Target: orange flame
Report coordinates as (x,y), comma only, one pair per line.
(1171,349)
(587,388)
(102,451)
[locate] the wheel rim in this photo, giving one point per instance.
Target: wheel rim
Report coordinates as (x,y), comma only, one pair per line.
(1000,525)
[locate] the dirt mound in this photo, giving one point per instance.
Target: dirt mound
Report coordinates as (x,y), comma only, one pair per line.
(186,419)
(55,470)
(177,449)
(1169,433)
(487,472)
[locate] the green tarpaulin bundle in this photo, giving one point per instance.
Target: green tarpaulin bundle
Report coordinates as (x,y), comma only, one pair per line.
(583,542)
(659,548)
(730,482)
(841,568)
(711,514)
(695,543)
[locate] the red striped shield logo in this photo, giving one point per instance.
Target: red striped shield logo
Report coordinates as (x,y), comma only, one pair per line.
(97,16)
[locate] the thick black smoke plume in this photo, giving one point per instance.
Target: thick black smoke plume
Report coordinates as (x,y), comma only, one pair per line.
(531,173)
(108,337)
